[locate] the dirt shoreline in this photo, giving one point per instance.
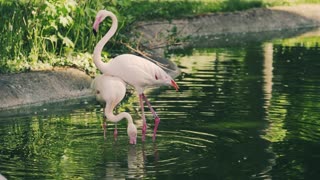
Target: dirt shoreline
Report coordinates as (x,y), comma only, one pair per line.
(36,88)
(40,87)
(153,34)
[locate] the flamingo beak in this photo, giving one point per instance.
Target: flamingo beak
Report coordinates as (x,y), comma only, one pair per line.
(95,28)
(96,25)
(175,85)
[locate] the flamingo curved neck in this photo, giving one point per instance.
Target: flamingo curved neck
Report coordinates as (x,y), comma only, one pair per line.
(98,49)
(119,117)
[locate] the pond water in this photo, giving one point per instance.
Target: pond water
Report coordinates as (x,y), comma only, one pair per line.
(249,111)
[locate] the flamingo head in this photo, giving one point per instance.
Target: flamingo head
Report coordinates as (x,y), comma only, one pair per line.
(132,133)
(163,79)
(171,82)
(101,15)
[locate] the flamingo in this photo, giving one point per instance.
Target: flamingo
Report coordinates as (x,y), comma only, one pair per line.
(110,91)
(136,71)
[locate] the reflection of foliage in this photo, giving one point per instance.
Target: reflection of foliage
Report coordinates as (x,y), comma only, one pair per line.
(227,94)
(297,69)
(293,114)
(67,144)
(219,77)
(47,147)
(276,132)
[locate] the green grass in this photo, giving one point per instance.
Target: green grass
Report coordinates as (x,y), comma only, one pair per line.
(40,34)
(168,9)
(149,10)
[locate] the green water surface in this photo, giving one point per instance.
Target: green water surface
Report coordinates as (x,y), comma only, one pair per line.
(249,111)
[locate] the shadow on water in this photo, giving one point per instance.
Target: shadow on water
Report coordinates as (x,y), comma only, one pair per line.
(244,111)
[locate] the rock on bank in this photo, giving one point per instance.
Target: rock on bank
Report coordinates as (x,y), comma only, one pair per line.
(42,87)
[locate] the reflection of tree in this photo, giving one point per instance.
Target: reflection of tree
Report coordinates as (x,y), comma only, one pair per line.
(275,131)
(214,80)
(295,90)
(223,95)
(297,70)
(65,146)
(27,143)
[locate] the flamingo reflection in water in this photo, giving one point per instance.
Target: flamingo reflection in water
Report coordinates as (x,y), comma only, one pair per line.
(137,159)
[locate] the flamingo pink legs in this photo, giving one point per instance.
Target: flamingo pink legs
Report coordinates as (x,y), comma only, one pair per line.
(104,125)
(156,117)
(115,133)
(144,125)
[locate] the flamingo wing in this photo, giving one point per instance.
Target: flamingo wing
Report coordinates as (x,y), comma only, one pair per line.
(138,71)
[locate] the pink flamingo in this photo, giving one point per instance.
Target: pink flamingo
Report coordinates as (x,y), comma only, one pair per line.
(111,90)
(136,71)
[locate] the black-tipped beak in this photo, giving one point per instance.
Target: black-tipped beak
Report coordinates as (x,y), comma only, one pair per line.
(94,32)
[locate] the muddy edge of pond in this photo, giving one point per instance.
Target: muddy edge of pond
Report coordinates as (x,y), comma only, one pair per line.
(40,87)
(153,34)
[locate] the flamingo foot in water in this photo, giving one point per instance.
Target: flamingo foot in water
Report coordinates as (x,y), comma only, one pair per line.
(144,130)
(156,124)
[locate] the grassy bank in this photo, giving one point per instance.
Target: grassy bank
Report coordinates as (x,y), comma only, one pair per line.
(40,34)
